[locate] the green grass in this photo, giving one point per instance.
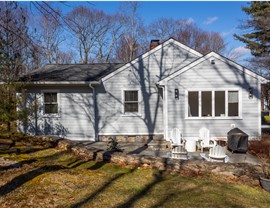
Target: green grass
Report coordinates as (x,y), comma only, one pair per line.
(53,178)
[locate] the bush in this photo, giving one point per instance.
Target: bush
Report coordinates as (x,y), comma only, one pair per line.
(266,119)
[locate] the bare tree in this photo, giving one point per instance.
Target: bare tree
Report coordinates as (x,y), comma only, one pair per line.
(186,32)
(91,28)
(106,41)
(133,40)
(50,37)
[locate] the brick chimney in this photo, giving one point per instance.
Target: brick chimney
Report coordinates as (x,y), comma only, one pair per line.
(154,43)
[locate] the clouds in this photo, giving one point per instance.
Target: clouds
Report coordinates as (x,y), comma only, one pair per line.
(210,20)
(190,21)
(228,32)
(241,50)
(238,53)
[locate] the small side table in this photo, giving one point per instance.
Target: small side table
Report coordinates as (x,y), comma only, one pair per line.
(221,141)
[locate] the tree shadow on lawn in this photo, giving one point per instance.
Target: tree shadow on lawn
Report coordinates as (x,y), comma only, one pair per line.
(17,165)
(23,178)
(158,178)
(102,188)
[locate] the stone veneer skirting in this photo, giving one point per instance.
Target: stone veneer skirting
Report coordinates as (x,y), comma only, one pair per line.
(131,138)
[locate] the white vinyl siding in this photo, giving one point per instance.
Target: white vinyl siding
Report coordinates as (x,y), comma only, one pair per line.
(142,76)
(218,77)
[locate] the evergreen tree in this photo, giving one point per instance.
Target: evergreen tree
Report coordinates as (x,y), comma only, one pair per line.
(257,34)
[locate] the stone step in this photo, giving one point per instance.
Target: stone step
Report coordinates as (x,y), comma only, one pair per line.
(159,145)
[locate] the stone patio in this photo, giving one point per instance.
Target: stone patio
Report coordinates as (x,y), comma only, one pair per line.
(164,152)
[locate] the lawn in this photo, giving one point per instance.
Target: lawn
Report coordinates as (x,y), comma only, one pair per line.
(52,178)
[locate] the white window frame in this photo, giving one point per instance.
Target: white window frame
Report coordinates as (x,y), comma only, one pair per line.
(213,103)
(58,103)
(139,103)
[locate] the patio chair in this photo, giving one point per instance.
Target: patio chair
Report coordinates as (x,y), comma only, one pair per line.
(205,140)
(178,144)
(217,153)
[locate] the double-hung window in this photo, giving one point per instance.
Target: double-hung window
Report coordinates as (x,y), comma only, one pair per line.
(213,103)
(50,103)
(131,101)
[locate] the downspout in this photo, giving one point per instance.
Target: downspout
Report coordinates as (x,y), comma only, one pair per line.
(95,125)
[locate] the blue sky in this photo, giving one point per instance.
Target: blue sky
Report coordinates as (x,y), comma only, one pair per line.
(218,16)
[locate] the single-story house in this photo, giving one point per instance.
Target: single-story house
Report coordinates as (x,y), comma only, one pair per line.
(170,86)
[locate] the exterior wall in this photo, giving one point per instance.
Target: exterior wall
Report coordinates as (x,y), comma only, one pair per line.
(75,119)
(213,76)
(141,76)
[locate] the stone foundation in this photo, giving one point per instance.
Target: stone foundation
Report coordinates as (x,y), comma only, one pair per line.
(131,138)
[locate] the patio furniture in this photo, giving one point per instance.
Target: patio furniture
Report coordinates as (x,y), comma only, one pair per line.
(178,144)
(191,144)
(217,153)
(206,141)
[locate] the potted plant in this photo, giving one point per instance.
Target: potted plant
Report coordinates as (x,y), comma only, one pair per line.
(261,149)
(265,177)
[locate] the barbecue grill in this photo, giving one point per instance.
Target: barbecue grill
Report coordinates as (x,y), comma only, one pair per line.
(237,140)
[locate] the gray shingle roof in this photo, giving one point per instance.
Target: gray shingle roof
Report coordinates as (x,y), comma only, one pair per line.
(71,72)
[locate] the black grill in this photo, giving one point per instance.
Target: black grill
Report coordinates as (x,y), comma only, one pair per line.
(237,141)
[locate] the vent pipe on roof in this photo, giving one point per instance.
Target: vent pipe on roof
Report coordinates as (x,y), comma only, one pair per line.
(154,43)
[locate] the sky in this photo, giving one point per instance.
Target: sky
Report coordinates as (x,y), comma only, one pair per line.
(216,16)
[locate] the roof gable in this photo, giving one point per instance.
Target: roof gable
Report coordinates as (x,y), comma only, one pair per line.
(208,58)
(164,44)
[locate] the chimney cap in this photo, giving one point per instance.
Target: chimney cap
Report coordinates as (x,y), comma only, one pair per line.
(154,43)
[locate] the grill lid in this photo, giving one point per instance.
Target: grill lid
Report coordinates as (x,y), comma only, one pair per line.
(236,131)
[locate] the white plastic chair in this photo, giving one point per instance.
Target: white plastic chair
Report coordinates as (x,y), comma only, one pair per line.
(206,141)
(178,144)
(217,153)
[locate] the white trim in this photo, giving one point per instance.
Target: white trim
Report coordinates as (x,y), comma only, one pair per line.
(131,134)
(162,45)
(140,104)
(209,56)
(213,90)
(165,113)
(57,115)
(259,109)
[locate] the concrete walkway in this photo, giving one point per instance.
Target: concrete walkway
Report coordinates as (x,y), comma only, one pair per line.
(140,148)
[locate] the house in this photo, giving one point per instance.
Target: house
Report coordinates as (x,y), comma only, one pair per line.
(170,86)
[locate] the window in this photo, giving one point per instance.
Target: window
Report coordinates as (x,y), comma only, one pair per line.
(222,103)
(131,101)
(193,100)
(233,103)
(206,103)
(50,103)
